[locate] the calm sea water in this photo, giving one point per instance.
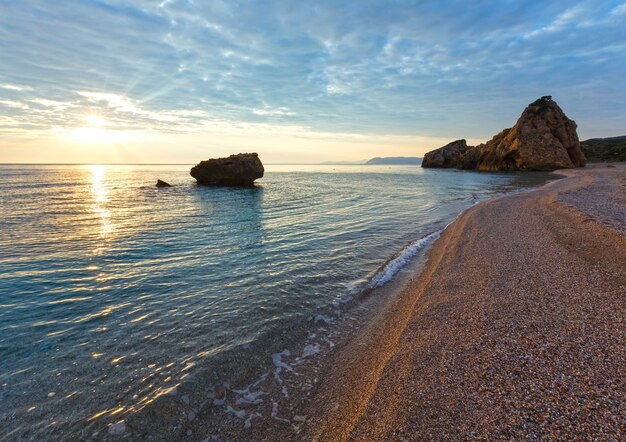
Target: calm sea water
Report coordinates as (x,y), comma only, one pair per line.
(113,291)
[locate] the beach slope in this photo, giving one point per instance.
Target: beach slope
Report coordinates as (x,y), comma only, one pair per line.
(515,328)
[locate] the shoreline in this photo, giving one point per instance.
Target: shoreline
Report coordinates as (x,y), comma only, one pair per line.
(196,392)
(231,411)
(484,336)
(343,392)
(444,364)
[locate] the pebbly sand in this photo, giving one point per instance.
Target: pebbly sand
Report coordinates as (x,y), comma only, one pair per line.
(515,328)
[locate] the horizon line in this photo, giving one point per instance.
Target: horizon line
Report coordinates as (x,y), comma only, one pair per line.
(325,163)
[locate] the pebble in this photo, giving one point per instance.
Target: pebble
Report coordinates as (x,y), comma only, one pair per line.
(117,429)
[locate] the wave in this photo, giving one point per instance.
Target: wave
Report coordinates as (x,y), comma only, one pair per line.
(392,267)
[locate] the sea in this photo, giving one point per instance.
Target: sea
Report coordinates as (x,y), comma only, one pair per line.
(113,292)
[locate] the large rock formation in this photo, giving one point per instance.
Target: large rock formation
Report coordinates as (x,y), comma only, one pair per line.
(450,155)
(542,139)
(236,170)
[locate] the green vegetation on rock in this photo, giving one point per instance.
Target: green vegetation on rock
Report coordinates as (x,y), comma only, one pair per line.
(598,150)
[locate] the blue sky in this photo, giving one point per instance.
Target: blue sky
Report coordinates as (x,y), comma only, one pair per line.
(180,80)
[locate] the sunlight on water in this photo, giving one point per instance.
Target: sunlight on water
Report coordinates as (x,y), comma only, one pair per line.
(100,199)
(114,292)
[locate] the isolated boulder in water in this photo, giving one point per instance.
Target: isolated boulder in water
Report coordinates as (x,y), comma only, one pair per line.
(236,170)
(161,183)
(542,139)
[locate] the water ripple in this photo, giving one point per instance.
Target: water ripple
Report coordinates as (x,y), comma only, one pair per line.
(113,291)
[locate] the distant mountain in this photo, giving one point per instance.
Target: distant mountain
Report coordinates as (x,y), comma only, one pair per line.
(342,163)
(599,150)
(395,160)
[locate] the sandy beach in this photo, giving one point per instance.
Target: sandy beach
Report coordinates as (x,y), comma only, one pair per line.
(514,329)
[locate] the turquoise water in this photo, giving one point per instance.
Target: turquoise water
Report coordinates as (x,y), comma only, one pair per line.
(112,291)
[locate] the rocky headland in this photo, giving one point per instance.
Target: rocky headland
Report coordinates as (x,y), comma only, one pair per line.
(236,170)
(543,138)
(601,150)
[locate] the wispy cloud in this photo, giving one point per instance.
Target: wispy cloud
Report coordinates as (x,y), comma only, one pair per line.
(267,110)
(15,87)
(619,10)
(13,104)
(563,20)
(373,67)
(114,101)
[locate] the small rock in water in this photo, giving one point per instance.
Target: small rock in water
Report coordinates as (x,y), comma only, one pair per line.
(220,393)
(185,399)
(161,183)
(189,432)
(51,394)
(191,415)
(117,429)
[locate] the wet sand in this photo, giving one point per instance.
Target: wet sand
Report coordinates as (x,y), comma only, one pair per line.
(515,329)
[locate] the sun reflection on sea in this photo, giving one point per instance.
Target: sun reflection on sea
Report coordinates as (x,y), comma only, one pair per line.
(100,197)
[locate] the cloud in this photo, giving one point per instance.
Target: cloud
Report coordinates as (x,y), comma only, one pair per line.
(398,68)
(13,104)
(15,87)
(54,104)
(564,19)
(114,101)
(619,10)
(267,110)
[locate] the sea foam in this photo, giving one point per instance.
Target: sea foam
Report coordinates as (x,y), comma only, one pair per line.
(393,266)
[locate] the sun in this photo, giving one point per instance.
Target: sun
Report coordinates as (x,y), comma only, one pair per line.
(95,120)
(95,132)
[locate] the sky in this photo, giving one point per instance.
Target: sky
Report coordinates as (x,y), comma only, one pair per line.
(177,81)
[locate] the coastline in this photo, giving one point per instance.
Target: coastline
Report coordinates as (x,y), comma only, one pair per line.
(428,355)
(173,399)
(510,331)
